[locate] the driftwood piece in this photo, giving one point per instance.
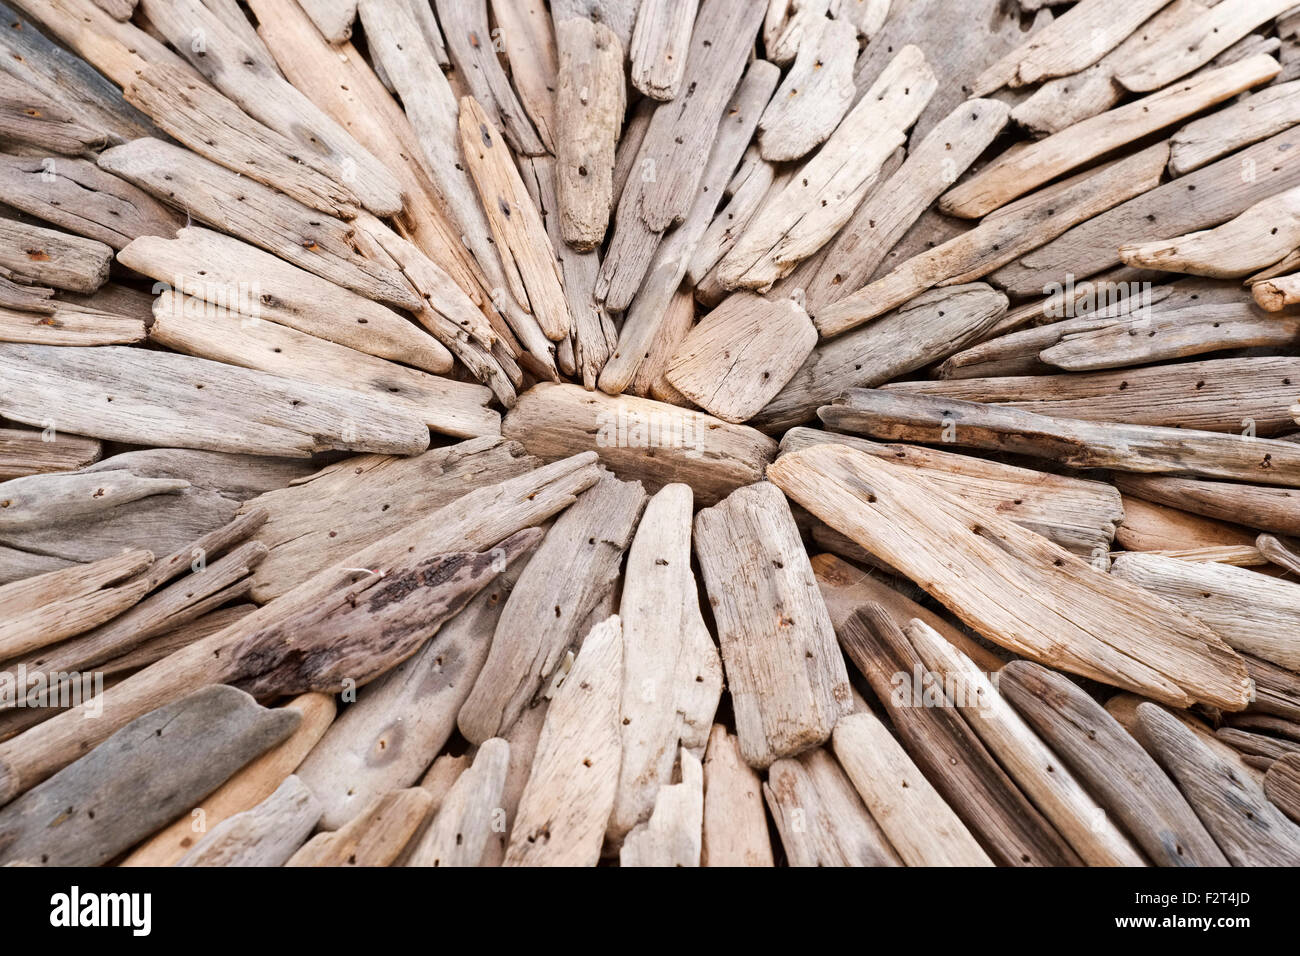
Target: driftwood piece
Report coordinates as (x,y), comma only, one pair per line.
(517,226)
(481,519)
(473,52)
(1253,118)
(523,739)
(1078,514)
(374,837)
(1264,748)
(934,325)
(1012,586)
(814,96)
(1250,611)
(32,120)
(385,740)
(672,675)
(943,745)
(468,814)
(275,222)
(1262,235)
(1021,170)
(36,500)
(542,617)
(675,151)
(734,826)
(247,788)
(451,407)
(70,325)
(665,264)
(828,188)
(745,192)
(920,826)
(820,817)
(1245,395)
(1274,295)
(34,254)
(570,792)
(158,398)
(1193,44)
(1282,786)
(742,354)
(673,835)
(139,779)
(332,17)
(788,684)
(265,835)
(1152,527)
(713,457)
(677,321)
(1279,552)
(48,608)
(932,165)
(660,44)
(1119,773)
(1199,200)
(240,278)
(1000,238)
(248,76)
(529,39)
(354,503)
(1250,830)
(1029,761)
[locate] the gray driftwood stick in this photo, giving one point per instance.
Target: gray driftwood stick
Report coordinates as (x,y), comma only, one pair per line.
(265,835)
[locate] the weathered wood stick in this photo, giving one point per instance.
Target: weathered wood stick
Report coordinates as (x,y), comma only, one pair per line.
(529,39)
(375,837)
(1001,238)
(930,327)
(37,500)
(677,321)
(332,17)
(672,675)
(385,740)
(828,188)
(952,757)
(159,398)
(1274,295)
(140,778)
(1012,586)
(1056,50)
(920,826)
(1253,118)
(1021,170)
(1247,396)
(1250,745)
(1119,773)
(660,46)
(1250,830)
(1251,612)
(468,812)
(1029,761)
(265,835)
(821,819)
(541,618)
(34,254)
(1152,527)
(33,120)
(1277,690)
(1282,786)
(673,835)
(1279,552)
(1195,43)
(570,792)
(735,826)
(713,457)
(245,790)
(24,452)
(70,325)
(814,95)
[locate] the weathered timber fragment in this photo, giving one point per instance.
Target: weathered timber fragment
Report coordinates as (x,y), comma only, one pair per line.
(465,818)
(734,826)
(375,837)
(265,835)
(673,835)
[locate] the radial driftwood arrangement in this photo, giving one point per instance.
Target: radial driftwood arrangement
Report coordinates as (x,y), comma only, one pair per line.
(650,432)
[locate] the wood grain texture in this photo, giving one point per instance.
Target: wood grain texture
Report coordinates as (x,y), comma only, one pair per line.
(265,835)
(131,395)
(140,778)
(788,682)
(570,792)
(673,835)
(735,825)
(1251,119)
(1119,773)
(1012,586)
(374,837)
(529,39)
(1282,786)
(469,813)
(814,96)
(36,255)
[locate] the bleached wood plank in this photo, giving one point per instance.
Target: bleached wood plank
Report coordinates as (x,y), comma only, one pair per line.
(824,193)
(265,835)
(741,355)
(70,325)
(1259,506)
(151,398)
(673,834)
(1021,170)
(814,96)
(1000,238)
(735,825)
(1124,779)
(920,826)
(570,791)
(820,817)
(787,680)
(672,675)
(677,322)
(529,40)
(468,814)
(30,119)
(541,619)
(1254,118)
(1015,592)
(1195,43)
(523,739)
(48,257)
(660,43)
(374,838)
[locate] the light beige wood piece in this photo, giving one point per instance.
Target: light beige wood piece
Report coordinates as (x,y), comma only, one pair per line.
(735,824)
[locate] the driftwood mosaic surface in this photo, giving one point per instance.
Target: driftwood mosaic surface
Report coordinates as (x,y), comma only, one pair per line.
(649,433)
